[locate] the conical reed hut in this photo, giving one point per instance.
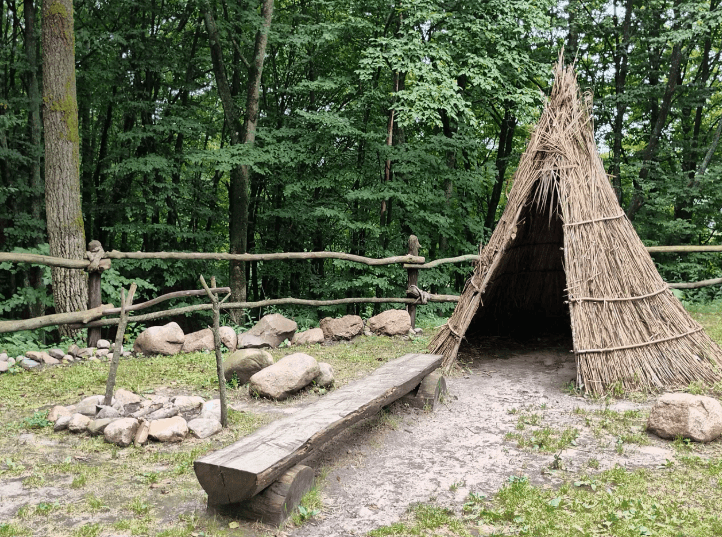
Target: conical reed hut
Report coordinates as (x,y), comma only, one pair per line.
(564,249)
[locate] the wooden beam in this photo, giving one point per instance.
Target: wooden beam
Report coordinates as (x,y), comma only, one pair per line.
(683,249)
(243,469)
(695,285)
(46,260)
(82,317)
(168,296)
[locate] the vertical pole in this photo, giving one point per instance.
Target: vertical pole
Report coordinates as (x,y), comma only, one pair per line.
(125,303)
(413,276)
(219,356)
(95,269)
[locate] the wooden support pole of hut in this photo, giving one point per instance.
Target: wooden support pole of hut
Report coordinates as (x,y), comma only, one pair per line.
(125,303)
(413,276)
(95,269)
(217,344)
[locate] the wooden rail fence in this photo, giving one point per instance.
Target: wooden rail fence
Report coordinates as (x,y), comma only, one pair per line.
(97,260)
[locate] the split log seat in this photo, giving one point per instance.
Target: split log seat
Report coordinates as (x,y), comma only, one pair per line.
(244,469)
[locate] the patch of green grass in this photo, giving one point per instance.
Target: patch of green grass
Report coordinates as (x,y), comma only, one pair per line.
(138,506)
(37,421)
(12,530)
(95,503)
(88,530)
(629,426)
(425,519)
(593,463)
(34,480)
(545,439)
(79,481)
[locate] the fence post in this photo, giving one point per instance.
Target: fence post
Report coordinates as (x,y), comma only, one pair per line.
(413,276)
(95,269)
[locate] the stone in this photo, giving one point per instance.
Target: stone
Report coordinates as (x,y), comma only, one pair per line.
(78,423)
(418,331)
(93,359)
(247,341)
(229,338)
(87,352)
(74,350)
(141,435)
(390,323)
(4,367)
(284,378)
(347,327)
(97,426)
(204,427)
(167,339)
(108,412)
(68,358)
(167,411)
(27,363)
(58,354)
(62,423)
(121,431)
(211,410)
(49,360)
(245,363)
(58,412)
(325,378)
(172,429)
(102,353)
(11,362)
(690,416)
(103,344)
(187,403)
(158,399)
(35,355)
(126,354)
(3,357)
(126,397)
(198,341)
(308,337)
(89,405)
(274,329)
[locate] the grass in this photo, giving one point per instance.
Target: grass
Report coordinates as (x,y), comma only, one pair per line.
(425,519)
(545,439)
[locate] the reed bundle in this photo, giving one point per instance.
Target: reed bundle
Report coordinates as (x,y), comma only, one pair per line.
(564,249)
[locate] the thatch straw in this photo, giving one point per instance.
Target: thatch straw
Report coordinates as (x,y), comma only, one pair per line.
(563,226)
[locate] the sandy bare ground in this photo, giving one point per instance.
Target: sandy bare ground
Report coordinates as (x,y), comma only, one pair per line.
(378,470)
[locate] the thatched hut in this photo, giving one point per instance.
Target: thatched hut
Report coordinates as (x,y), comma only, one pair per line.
(565,252)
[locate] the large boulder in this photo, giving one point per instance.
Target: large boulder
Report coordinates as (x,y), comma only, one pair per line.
(274,329)
(390,323)
(284,378)
(325,378)
(172,429)
(245,363)
(248,341)
(203,340)
(126,397)
(121,431)
(204,427)
(309,337)
(78,423)
(347,327)
(89,405)
(167,339)
(686,415)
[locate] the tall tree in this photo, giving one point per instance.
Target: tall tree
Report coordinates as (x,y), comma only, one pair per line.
(66,234)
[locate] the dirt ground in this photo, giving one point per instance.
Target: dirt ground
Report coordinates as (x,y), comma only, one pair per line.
(376,473)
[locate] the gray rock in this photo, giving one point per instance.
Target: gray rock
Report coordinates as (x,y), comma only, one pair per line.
(141,435)
(58,412)
(229,338)
(74,350)
(247,341)
(418,331)
(93,359)
(686,415)
(126,354)
(3,357)
(187,403)
(274,329)
(87,352)
(172,429)
(203,340)
(390,323)
(211,410)
(11,362)
(163,413)
(108,412)
(78,423)
(62,423)
(347,327)
(121,431)
(89,405)
(145,410)
(58,354)
(126,397)
(167,339)
(103,344)
(309,337)
(102,353)
(284,378)
(68,358)
(97,426)
(245,363)
(204,427)
(4,367)
(325,378)
(27,363)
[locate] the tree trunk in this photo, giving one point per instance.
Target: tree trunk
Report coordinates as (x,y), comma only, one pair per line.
(506,141)
(66,233)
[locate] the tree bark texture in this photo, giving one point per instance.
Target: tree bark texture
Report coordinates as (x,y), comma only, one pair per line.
(66,234)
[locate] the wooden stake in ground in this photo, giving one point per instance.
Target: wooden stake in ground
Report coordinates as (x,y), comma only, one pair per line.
(118,348)
(217,344)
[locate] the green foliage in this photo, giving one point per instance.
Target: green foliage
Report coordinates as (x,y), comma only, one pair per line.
(38,420)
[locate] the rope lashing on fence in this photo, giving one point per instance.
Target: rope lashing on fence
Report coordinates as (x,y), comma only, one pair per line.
(421,296)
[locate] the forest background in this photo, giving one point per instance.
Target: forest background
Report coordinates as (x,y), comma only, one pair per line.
(375,120)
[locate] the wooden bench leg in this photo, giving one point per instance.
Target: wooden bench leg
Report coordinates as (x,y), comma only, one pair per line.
(428,393)
(276,503)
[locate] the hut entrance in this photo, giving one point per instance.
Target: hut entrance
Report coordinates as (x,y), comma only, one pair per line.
(526,295)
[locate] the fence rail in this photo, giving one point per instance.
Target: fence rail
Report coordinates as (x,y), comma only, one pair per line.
(99,260)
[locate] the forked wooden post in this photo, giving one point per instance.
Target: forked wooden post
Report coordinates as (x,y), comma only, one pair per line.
(413,276)
(125,303)
(217,344)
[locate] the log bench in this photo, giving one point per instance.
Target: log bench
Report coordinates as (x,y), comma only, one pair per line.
(239,477)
